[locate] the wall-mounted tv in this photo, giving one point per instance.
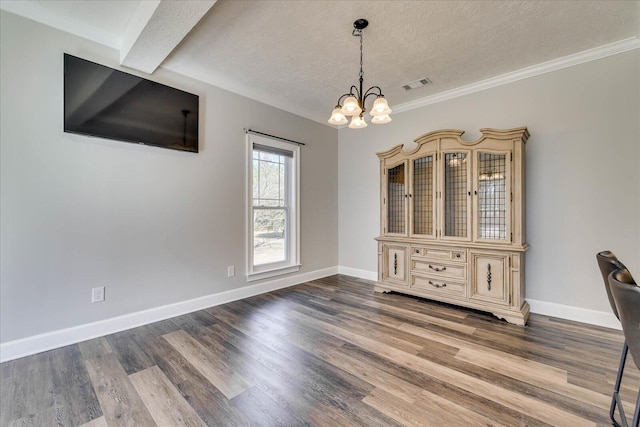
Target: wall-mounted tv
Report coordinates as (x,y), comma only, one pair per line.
(103,102)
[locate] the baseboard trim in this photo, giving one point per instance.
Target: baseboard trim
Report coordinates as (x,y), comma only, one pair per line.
(567,312)
(60,338)
(360,274)
(578,314)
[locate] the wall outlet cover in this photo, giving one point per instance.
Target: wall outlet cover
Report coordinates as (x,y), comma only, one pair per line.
(97,294)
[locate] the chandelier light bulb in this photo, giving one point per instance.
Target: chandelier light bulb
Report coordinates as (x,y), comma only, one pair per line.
(380,120)
(358,122)
(337,118)
(351,107)
(380,107)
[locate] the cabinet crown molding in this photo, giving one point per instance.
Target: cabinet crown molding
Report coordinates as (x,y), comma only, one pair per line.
(520,133)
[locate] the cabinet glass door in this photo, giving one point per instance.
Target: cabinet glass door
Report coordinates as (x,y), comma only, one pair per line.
(422,195)
(493,196)
(456,195)
(396,200)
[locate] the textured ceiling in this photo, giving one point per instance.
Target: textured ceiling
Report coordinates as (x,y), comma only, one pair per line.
(301,56)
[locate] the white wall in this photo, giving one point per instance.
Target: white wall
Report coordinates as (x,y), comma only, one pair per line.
(583,179)
(154,226)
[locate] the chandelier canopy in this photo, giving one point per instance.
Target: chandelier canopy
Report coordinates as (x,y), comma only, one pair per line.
(354,104)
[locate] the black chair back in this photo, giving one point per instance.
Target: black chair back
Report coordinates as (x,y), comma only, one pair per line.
(626,294)
(608,263)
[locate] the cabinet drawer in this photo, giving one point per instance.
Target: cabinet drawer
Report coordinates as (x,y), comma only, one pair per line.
(441,254)
(438,286)
(439,269)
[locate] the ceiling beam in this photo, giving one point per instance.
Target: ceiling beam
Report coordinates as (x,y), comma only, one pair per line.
(157,27)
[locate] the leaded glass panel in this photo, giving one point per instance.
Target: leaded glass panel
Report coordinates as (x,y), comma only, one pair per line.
(455,194)
(396,200)
(423,195)
(492,196)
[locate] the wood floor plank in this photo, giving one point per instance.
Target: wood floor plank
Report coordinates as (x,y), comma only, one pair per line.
(369,313)
(125,346)
(428,410)
(508,364)
(201,318)
(461,327)
(45,417)
(75,400)
(230,383)
(246,318)
(164,402)
(416,305)
(384,334)
(98,422)
(8,382)
(94,347)
(262,410)
(531,372)
(30,395)
(208,402)
(118,398)
(373,375)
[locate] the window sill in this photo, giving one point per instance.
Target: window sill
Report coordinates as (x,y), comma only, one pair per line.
(273,272)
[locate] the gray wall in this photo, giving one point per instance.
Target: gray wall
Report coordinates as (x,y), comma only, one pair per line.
(154,226)
(583,179)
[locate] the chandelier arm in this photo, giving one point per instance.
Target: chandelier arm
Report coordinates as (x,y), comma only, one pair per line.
(342,97)
(369,93)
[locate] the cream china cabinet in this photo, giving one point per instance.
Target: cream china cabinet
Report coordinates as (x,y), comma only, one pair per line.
(452,221)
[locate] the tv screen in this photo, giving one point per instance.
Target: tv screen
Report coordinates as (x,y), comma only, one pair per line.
(103,102)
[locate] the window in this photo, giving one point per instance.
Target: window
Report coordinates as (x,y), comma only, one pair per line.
(273,213)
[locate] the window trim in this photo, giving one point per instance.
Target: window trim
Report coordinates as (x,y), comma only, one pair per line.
(292,233)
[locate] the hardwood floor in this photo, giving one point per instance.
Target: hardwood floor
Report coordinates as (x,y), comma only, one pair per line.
(328,352)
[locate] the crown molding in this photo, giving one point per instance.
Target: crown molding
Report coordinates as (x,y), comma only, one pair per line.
(525,73)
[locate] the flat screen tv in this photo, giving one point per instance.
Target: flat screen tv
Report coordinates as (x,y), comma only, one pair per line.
(107,103)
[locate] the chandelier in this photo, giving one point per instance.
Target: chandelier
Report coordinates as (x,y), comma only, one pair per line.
(354,104)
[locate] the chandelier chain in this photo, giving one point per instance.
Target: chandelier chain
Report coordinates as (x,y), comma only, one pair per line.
(361,72)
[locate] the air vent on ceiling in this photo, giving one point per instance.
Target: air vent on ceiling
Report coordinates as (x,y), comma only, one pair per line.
(417,84)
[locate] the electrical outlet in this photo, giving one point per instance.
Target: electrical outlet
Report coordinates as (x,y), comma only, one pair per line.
(97,294)
(231,271)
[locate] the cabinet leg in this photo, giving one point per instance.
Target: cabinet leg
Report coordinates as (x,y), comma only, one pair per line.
(381,290)
(517,318)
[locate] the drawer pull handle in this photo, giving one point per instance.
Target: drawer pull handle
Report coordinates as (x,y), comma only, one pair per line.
(395,264)
(457,255)
(436,268)
(437,285)
(489,277)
